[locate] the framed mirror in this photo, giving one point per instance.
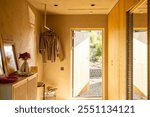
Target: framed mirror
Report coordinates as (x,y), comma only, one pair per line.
(1,65)
(2,71)
(138,49)
(9,52)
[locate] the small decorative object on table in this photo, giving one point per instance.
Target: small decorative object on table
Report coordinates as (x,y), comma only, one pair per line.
(25,66)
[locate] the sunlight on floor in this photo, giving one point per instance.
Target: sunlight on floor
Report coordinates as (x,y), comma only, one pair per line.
(95,89)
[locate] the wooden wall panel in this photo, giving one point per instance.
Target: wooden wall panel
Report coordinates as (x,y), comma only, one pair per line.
(122,48)
(148,50)
(117,49)
(130,3)
(113,52)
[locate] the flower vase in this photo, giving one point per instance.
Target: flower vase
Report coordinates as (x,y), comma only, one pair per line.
(25,67)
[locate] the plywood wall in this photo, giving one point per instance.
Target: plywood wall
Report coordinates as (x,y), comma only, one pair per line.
(117,49)
(21,22)
(63,24)
(113,64)
(130,4)
(140,21)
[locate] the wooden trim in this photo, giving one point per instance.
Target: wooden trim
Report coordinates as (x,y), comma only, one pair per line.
(145,29)
(130,46)
(18,83)
(148,48)
(72,29)
(2,57)
(104,67)
(135,6)
(72,61)
(129,56)
(3,53)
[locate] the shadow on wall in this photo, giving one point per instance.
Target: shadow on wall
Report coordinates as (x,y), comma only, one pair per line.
(22,23)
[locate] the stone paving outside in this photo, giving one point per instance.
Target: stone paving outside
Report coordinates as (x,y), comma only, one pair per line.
(95,76)
(95,88)
(95,84)
(95,81)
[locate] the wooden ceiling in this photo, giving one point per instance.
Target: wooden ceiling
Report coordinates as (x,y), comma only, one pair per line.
(75,6)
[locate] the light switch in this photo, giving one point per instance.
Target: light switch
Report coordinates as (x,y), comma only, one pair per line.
(62,68)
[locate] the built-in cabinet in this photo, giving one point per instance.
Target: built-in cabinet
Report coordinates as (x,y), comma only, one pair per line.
(24,89)
(19,90)
(32,88)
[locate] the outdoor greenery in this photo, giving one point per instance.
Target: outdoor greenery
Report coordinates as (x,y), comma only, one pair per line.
(95,46)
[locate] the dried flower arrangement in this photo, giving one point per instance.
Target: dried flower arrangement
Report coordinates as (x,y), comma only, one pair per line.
(24,56)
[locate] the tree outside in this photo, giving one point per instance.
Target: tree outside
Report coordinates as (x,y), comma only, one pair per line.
(95,48)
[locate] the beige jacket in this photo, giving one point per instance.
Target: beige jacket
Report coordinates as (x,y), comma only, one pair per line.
(50,46)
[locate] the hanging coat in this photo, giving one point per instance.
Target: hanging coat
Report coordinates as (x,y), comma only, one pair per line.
(50,46)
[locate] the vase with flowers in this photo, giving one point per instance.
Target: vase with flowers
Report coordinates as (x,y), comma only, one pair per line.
(25,66)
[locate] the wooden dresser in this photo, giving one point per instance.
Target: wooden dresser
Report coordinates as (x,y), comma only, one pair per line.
(25,88)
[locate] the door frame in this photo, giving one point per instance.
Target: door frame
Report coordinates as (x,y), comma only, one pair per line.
(104,62)
(129,50)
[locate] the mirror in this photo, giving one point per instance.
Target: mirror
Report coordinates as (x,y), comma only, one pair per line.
(140,61)
(2,71)
(1,64)
(137,51)
(10,57)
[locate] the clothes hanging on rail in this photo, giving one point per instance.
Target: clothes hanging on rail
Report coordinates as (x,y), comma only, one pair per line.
(50,46)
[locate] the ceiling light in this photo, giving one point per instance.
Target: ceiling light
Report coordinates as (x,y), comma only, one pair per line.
(92,4)
(55,4)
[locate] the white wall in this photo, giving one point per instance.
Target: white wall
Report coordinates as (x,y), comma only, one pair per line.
(81,60)
(140,61)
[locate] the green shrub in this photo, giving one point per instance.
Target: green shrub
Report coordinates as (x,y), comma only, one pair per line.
(95,46)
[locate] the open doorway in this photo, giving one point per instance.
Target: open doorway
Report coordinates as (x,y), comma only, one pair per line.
(140,81)
(138,87)
(87,63)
